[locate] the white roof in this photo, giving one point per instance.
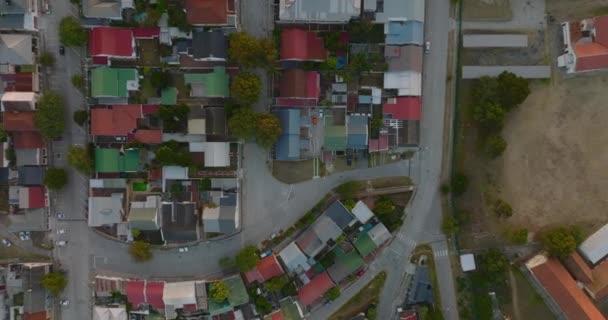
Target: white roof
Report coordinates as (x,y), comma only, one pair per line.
(595,248)
(379,234)
(103,313)
(178,294)
(408,83)
(175,173)
(325,10)
(217,154)
(105,210)
(467,262)
(293,258)
(197,126)
(19,96)
(362,212)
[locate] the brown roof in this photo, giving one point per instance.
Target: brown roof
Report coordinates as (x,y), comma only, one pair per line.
(299,83)
(560,285)
(599,286)
(207,12)
(27,140)
(42,315)
(404,58)
(578,268)
(19,121)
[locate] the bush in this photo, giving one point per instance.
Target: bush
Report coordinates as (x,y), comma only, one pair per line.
(333,293)
(384,206)
(449,225)
(502,209)
(55,178)
(349,204)
(247,258)
(460,183)
(78,81)
(561,241)
(80,159)
(54,282)
(219,291)
(276,284)
(140,251)
(49,118)
(518,236)
(262,305)
(495,145)
(80,117)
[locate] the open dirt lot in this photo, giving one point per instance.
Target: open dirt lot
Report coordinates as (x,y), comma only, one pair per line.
(486,10)
(567,9)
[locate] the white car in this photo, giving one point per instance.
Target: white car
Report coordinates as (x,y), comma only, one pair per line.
(60,215)
(6,242)
(64,303)
(183,249)
(61,231)
(24,235)
(427,47)
(61,243)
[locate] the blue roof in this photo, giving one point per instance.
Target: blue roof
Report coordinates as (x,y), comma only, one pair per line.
(404,32)
(357,132)
(365,99)
(357,141)
(288,145)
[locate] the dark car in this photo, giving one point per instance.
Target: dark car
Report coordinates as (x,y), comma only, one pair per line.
(62,50)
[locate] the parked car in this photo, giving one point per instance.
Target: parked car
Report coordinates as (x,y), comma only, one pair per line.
(183,249)
(61,231)
(61,50)
(61,243)
(7,242)
(64,303)
(24,235)
(60,215)
(427,47)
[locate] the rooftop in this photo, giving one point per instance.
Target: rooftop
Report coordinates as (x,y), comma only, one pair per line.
(16,49)
(403,108)
(345,264)
(213,84)
(113,82)
(315,289)
(115,160)
(299,44)
(209,45)
(307,11)
(19,121)
(110,9)
(111,42)
(401,32)
(208,12)
(595,247)
(297,83)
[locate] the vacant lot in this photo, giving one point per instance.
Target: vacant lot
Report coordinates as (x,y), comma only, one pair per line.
(568,9)
(359,303)
(293,171)
(486,10)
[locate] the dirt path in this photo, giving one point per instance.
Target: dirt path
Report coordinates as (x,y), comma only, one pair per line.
(517,314)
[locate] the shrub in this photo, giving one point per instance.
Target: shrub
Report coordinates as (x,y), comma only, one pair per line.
(495,145)
(460,183)
(502,209)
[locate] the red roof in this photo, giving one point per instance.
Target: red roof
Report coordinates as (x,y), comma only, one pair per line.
(590,56)
(19,121)
(297,83)
(146,32)
(295,102)
(404,108)
(315,289)
(154,294)
(601,30)
(27,140)
(147,136)
(111,41)
(276,315)
(570,298)
(36,197)
(42,315)
(298,44)
(117,121)
(135,292)
(23,82)
(149,108)
(267,268)
(100,60)
(380,144)
(207,12)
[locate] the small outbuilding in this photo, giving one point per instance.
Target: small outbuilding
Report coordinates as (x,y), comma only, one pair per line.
(467,262)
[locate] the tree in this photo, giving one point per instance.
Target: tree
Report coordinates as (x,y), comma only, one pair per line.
(268,53)
(493,264)
(333,293)
(226,263)
(561,241)
(178,18)
(495,145)
(160,79)
(55,178)
(349,204)
(518,236)
(79,159)
(262,305)
(243,49)
(449,225)
(512,90)
(485,91)
(460,183)
(247,258)
(140,251)
(49,118)
(243,124)
(245,88)
(46,59)
(489,115)
(71,33)
(268,129)
(54,282)
(219,291)
(384,206)
(358,63)
(80,117)
(3,134)
(167,156)
(135,233)
(372,313)
(502,208)
(276,284)
(174,117)
(78,81)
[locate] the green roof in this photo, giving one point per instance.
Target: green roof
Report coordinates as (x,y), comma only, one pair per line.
(110,160)
(290,310)
(364,244)
(336,137)
(111,82)
(238,292)
(216,308)
(214,84)
(168,96)
(143,218)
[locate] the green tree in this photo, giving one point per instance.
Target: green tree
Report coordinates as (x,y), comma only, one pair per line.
(3,134)
(79,159)
(485,91)
(384,206)
(140,251)
(349,204)
(489,115)
(49,117)
(502,208)
(267,53)
(167,156)
(243,49)
(358,63)
(372,313)
(242,124)
(46,59)
(80,117)
(78,81)
(268,129)
(178,18)
(160,79)
(262,305)
(54,282)
(333,293)
(174,117)
(449,225)
(276,284)
(493,264)
(329,66)
(135,233)
(495,145)
(512,90)
(561,241)
(71,33)
(219,291)
(55,178)
(518,235)
(460,183)
(226,263)
(247,258)
(245,88)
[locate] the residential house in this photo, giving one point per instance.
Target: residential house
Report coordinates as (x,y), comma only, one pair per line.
(141,293)
(30,176)
(294,140)
(122,123)
(369,239)
(346,262)
(362,212)
(109,313)
(19,121)
(314,290)
(14,101)
(16,49)
(211,12)
(322,232)
(379,144)
(18,14)
(144,215)
(294,259)
(406,83)
(266,269)
(339,215)
(329,11)
(208,85)
(109,82)
(562,288)
(221,214)
(104,9)
(216,154)
(409,10)
(32,197)
(179,222)
(106,211)
(215,122)
(595,248)
(178,296)
(109,160)
(209,45)
(112,43)
(299,88)
(400,31)
(402,121)
(238,296)
(302,45)
(420,290)
(585,45)
(403,58)
(336,135)
(24,280)
(357,132)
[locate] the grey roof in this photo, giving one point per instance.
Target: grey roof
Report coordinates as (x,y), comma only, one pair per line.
(31,176)
(220,219)
(27,157)
(16,48)
(215,118)
(401,32)
(339,215)
(12,21)
(111,9)
(409,9)
(595,248)
(420,290)
(227,212)
(4,176)
(209,44)
(178,222)
(105,210)
(357,132)
(201,295)
(317,10)
(35,298)
(379,234)
(14,7)
(404,58)
(288,145)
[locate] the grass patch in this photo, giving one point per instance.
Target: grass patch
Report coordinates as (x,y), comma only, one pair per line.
(292,171)
(531,304)
(359,302)
(600,11)
(425,249)
(391,182)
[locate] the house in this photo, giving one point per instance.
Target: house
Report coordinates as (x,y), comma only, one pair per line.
(34,156)
(168,96)
(407,83)
(409,10)
(208,85)
(106,211)
(120,123)
(402,108)
(357,131)
(593,278)
(33,197)
(420,290)
(585,45)
(562,288)
(221,215)
(117,160)
(403,58)
(336,136)
(329,11)
(362,212)
(179,295)
(379,144)
(109,313)
(104,9)
(109,82)
(30,176)
(266,269)
(400,31)
(467,262)
(211,12)
(302,45)
(294,140)
(301,86)
(294,259)
(346,262)
(316,238)
(595,248)
(339,215)
(18,14)
(140,293)
(144,215)
(379,234)
(19,121)
(217,154)
(209,45)
(179,222)
(315,289)
(14,101)
(112,42)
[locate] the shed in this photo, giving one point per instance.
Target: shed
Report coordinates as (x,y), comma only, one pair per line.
(467,262)
(379,234)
